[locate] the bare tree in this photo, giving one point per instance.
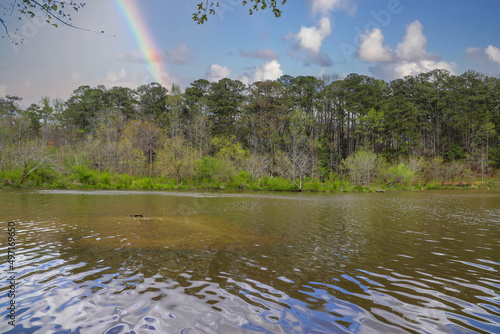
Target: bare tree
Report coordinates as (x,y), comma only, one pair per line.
(108,129)
(131,159)
(299,157)
(416,165)
(258,165)
(146,135)
(29,155)
(294,165)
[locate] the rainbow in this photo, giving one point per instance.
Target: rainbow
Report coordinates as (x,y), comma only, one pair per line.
(138,30)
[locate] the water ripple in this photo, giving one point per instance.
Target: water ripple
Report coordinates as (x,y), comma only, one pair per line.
(402,263)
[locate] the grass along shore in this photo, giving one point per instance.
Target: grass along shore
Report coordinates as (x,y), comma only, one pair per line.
(85,178)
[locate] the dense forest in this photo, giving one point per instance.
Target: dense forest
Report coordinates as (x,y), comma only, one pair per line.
(293,133)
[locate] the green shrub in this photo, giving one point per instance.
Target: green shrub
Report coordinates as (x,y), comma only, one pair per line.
(103,179)
(83,174)
(313,185)
(362,189)
(397,174)
(60,184)
(333,186)
(144,183)
(11,178)
(241,181)
(280,184)
(124,181)
(42,176)
(361,166)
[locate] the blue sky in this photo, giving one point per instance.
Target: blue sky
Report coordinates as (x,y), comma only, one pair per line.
(386,39)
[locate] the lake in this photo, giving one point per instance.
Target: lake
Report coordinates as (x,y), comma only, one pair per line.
(408,262)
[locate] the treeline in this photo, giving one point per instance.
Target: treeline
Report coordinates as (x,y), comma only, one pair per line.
(291,133)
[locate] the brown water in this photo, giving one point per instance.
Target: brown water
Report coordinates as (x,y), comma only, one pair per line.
(413,262)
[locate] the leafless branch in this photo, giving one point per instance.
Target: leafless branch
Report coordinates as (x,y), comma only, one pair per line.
(43,8)
(6,29)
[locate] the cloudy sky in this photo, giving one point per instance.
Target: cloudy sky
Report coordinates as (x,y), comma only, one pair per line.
(158,41)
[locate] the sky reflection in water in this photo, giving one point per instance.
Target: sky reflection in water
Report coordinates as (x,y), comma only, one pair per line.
(243,263)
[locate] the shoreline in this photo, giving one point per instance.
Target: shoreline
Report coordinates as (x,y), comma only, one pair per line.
(222,188)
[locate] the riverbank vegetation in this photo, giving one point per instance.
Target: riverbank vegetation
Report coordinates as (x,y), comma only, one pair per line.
(432,130)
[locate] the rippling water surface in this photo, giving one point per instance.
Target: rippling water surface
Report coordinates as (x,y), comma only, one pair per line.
(415,262)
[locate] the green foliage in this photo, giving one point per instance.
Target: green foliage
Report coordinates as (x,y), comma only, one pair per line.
(33,115)
(10,178)
(362,189)
(49,11)
(313,185)
(278,184)
(455,152)
(204,9)
(494,156)
(241,181)
(291,134)
(39,178)
(333,186)
(103,179)
(83,174)
(208,168)
(144,183)
(225,99)
(124,181)
(399,173)
(229,149)
(59,184)
(361,167)
(86,176)
(42,177)
(176,159)
(152,101)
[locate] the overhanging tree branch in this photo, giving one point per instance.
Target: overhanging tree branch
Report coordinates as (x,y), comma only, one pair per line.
(6,29)
(50,11)
(54,12)
(207,7)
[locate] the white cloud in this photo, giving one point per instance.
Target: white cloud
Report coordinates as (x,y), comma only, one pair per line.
(371,48)
(326,6)
(180,55)
(116,76)
(312,38)
(27,83)
(493,53)
(488,58)
(401,69)
(217,72)
(245,79)
(265,54)
(268,71)
(410,58)
(3,90)
(414,43)
(308,41)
